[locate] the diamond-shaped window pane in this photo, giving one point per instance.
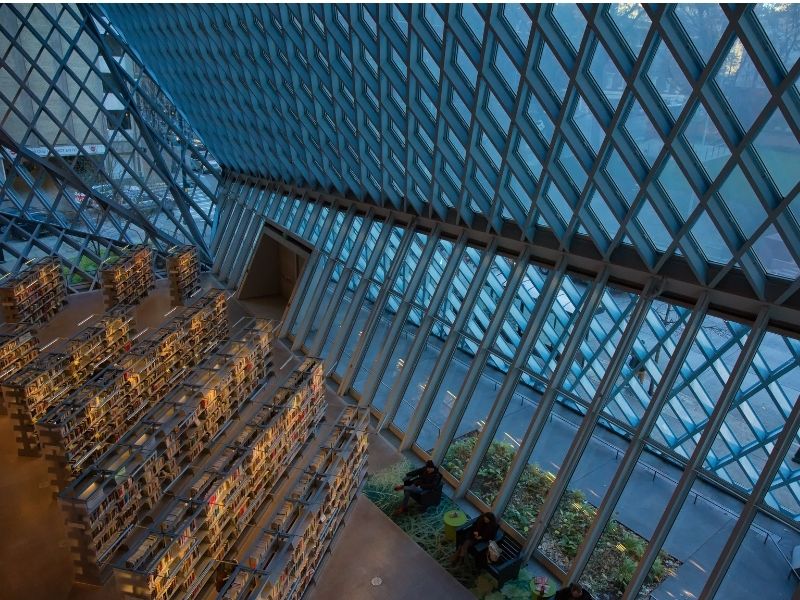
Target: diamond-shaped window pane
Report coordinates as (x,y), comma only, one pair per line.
(498,112)
(704,24)
(667,79)
(572,166)
(742,203)
(539,117)
(518,20)
(632,22)
(587,125)
(622,177)
(652,225)
(474,20)
(466,66)
(506,67)
(773,255)
(742,86)
(780,22)
(552,71)
(605,217)
(681,194)
(569,18)
(708,239)
(607,76)
(705,140)
(779,151)
(643,133)
(529,158)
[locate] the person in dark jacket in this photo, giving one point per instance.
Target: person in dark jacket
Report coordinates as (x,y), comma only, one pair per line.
(418,481)
(484,529)
(574,591)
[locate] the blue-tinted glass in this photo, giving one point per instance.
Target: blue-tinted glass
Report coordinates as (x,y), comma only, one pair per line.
(668,80)
(497,111)
(742,86)
(774,256)
(491,151)
(781,22)
(706,142)
(587,125)
(528,158)
(459,147)
(518,20)
(572,166)
(632,22)
(466,66)
(506,68)
(552,71)
(709,241)
(571,21)
(461,108)
(522,197)
(474,19)
(558,202)
(604,215)
(704,24)
(622,177)
(742,203)
(607,76)
(434,20)
(431,65)
(651,224)
(539,117)
(681,194)
(643,133)
(779,151)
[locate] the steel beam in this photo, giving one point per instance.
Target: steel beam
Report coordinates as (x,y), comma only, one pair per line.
(586,429)
(637,444)
(532,331)
(695,463)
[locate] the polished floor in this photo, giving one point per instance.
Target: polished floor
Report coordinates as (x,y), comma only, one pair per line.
(34,558)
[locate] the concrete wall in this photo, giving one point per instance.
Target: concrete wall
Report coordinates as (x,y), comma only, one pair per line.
(274,271)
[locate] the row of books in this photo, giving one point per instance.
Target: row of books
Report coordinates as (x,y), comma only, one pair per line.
(176,554)
(50,377)
(35,293)
(19,345)
(133,475)
(183,272)
(77,430)
(127,278)
(288,551)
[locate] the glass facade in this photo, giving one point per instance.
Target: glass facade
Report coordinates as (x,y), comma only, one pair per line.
(556,248)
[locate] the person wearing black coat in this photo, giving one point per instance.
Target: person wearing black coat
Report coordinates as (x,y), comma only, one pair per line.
(418,481)
(484,529)
(574,591)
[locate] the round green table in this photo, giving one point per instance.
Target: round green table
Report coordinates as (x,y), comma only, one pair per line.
(453,519)
(550,589)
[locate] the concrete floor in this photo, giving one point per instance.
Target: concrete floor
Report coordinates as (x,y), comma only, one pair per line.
(34,559)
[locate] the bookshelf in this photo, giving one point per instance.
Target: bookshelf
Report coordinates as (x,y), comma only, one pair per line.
(183,272)
(50,377)
(173,553)
(18,347)
(289,549)
(35,294)
(80,428)
(132,476)
(129,278)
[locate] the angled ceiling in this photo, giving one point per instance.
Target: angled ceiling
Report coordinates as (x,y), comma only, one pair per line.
(670,129)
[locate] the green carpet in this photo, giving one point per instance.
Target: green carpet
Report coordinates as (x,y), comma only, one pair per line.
(426,529)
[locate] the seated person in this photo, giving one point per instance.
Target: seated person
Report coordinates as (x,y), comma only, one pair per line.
(416,482)
(574,591)
(484,529)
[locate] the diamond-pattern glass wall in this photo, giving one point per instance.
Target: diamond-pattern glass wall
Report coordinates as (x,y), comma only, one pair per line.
(669,130)
(93,154)
(521,379)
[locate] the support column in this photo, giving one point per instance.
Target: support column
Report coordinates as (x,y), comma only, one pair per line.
(660,397)
(418,345)
(370,327)
(702,448)
(589,420)
(548,399)
(532,331)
